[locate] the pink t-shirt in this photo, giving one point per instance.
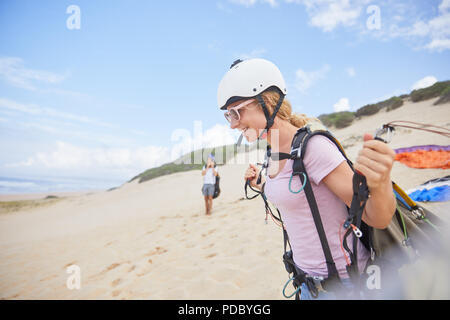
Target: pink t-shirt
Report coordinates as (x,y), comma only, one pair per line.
(321,157)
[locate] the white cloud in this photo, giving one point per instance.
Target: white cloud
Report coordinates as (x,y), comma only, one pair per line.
(438,45)
(15,184)
(329,14)
(351,72)
(424,82)
(222,7)
(60,129)
(432,34)
(305,80)
(342,105)
(335,14)
(218,135)
(272,3)
(246,3)
(444,6)
(249,3)
(34,109)
(13,71)
(399,20)
(63,124)
(256,53)
(120,163)
(15,106)
(67,157)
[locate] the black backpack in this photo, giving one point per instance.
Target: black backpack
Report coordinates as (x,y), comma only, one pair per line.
(409,234)
(217,187)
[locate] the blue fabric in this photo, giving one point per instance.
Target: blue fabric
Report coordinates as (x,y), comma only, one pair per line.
(306,294)
(208,189)
(441,193)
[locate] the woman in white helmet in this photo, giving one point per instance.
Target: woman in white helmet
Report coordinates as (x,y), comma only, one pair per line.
(252,93)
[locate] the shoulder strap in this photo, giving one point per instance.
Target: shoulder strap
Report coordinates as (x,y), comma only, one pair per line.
(360,195)
(299,147)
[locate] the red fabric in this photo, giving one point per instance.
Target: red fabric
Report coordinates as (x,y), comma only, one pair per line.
(425,159)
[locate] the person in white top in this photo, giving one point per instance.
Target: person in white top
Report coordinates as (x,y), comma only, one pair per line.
(209,174)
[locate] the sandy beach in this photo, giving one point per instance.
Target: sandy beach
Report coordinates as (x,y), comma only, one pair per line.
(153,241)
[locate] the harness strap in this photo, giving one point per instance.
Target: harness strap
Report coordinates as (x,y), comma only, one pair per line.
(298,168)
(332,283)
(247,185)
(278,156)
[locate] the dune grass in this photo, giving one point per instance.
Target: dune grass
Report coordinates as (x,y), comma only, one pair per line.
(444,97)
(436,90)
(195,161)
(337,119)
(344,119)
(18,205)
(389,104)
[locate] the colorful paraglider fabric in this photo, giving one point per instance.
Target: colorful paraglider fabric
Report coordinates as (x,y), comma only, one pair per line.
(433,190)
(429,156)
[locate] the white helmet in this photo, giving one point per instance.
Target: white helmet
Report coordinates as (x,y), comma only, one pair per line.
(247,79)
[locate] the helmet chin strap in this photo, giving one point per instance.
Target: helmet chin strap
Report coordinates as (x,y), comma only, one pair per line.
(240,139)
(270,118)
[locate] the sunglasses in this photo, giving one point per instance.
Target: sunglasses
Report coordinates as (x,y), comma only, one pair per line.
(233,113)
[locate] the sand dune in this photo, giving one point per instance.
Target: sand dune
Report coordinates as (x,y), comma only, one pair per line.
(153,241)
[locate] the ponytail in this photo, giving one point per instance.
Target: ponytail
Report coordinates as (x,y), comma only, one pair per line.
(285,112)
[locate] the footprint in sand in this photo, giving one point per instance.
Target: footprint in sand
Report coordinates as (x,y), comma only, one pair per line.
(157,250)
(69,264)
(48,278)
(112,266)
(109,268)
(208,233)
(115,293)
(116,282)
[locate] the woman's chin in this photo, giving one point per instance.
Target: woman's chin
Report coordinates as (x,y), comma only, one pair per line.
(252,136)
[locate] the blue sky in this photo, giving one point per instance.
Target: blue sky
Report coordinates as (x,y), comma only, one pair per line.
(106,101)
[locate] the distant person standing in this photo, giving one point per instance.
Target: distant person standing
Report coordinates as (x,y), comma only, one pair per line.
(209,173)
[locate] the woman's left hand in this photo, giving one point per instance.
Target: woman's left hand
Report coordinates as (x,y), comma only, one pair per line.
(375,162)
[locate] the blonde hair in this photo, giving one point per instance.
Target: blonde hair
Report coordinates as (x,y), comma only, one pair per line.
(285,112)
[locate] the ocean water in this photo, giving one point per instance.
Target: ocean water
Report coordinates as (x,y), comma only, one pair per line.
(10,185)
